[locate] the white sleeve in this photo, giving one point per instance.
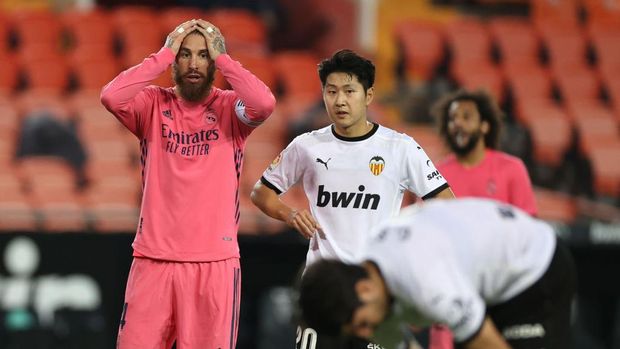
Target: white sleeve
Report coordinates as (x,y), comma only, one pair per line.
(447,297)
(285,170)
(421,177)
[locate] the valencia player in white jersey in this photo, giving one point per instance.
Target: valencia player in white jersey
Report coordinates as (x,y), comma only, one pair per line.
(497,277)
(354,172)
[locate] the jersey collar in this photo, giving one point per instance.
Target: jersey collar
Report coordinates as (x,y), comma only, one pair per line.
(370,133)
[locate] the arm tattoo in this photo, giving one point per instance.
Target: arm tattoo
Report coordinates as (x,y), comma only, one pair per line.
(218,44)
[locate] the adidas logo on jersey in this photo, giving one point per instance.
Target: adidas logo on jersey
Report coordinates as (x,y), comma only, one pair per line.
(343,199)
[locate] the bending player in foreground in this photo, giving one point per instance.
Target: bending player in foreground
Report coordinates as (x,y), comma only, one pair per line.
(495,276)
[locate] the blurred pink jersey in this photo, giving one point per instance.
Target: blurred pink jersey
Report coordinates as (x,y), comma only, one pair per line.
(191,155)
(499,176)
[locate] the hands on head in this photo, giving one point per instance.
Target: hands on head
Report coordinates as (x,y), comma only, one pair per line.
(213,36)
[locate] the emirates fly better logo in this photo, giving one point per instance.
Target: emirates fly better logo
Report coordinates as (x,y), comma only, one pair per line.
(376,164)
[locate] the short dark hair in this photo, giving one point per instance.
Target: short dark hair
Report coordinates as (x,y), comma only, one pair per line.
(327,296)
(487,108)
(349,62)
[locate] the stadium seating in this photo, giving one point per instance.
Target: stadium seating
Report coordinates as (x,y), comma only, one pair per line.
(421,46)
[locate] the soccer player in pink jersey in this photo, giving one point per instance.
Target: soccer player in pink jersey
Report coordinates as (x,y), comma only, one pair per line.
(470,123)
(184,283)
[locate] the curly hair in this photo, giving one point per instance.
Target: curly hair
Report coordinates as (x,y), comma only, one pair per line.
(349,62)
(487,108)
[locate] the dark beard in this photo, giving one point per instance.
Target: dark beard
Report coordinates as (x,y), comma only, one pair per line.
(193,92)
(468,147)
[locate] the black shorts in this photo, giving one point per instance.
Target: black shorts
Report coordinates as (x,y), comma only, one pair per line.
(539,317)
(308,338)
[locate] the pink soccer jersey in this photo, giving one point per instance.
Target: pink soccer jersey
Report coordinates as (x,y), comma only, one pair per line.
(499,176)
(191,155)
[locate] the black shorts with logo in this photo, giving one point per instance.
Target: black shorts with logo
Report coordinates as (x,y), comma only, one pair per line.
(539,317)
(308,338)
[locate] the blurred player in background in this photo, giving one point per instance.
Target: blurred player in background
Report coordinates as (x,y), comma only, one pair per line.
(354,172)
(496,276)
(470,123)
(185,279)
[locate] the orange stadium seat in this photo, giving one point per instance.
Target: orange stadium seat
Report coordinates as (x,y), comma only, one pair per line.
(555,206)
(421,47)
(612,87)
(61,213)
(37,101)
(47,174)
(135,54)
(472,75)
(578,85)
(550,13)
(89,30)
(607,52)
(242,29)
(39,76)
(171,17)
(4,32)
(110,151)
(567,49)
(427,137)
(296,72)
(605,12)
(516,39)
(469,40)
(528,82)
(94,74)
(606,169)
(8,74)
(551,135)
(594,131)
(260,65)
(113,217)
(36,27)
(16,212)
(137,26)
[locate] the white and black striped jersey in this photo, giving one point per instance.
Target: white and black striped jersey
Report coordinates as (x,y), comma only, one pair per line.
(352,184)
(446,260)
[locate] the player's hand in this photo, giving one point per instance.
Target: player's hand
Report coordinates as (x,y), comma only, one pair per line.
(303,222)
(176,37)
(214,38)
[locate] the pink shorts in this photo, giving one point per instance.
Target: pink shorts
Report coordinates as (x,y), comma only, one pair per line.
(196,304)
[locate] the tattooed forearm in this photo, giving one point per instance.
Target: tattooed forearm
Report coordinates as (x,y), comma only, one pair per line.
(218,44)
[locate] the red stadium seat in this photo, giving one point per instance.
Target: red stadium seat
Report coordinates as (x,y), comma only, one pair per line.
(421,47)
(8,74)
(551,136)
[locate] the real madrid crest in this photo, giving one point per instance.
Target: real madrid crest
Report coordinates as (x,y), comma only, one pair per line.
(210,117)
(376,164)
